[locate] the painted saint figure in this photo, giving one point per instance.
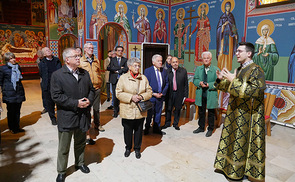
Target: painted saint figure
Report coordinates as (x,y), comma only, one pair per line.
(160,31)
(142,24)
(98,19)
(203,35)
(291,67)
(180,35)
(266,53)
(122,19)
(226,37)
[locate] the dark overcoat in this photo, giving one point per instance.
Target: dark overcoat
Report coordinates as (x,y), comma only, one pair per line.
(66,90)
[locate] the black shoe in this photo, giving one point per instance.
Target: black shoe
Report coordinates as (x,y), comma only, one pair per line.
(61,178)
(14,131)
(146,131)
(53,122)
(1,151)
(209,133)
(83,168)
(164,127)
(177,127)
(137,154)
(43,111)
(110,107)
(90,141)
(159,132)
(108,100)
(198,131)
(115,115)
(127,153)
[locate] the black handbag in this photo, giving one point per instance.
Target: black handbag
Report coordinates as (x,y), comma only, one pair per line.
(144,105)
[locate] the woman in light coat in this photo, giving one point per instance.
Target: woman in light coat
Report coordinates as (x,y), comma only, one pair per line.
(132,87)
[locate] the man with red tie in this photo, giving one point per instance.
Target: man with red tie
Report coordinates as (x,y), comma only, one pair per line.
(178,89)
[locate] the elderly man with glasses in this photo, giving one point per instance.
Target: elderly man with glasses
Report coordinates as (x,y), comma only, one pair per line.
(73,93)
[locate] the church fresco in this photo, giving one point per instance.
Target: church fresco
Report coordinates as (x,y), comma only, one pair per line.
(160,30)
(23,41)
(62,18)
(266,54)
(142,24)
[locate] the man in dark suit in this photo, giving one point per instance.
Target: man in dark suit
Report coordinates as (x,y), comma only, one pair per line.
(158,80)
(117,67)
(47,66)
(178,89)
(73,93)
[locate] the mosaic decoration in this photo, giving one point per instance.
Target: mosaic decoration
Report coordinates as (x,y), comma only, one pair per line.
(54,47)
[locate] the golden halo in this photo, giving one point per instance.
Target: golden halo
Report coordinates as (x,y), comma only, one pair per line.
(145,9)
(2,32)
(80,7)
(157,13)
(94,4)
(199,8)
(232,2)
(177,12)
(266,22)
(124,5)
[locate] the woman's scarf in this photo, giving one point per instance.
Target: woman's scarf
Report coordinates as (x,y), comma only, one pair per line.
(15,74)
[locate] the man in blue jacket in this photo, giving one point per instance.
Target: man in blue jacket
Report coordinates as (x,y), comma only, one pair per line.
(158,80)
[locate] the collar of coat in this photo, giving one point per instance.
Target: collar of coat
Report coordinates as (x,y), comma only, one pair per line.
(130,77)
(65,69)
(84,59)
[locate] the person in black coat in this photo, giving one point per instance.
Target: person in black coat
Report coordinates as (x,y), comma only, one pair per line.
(13,93)
(117,67)
(178,89)
(47,66)
(73,93)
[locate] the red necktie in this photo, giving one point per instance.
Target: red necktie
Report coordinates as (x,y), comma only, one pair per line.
(174,81)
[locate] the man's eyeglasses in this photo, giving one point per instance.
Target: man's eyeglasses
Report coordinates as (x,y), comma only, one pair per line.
(89,47)
(120,50)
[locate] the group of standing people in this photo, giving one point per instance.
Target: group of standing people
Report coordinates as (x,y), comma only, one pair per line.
(241,150)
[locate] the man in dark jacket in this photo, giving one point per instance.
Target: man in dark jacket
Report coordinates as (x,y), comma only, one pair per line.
(117,67)
(178,89)
(73,93)
(47,66)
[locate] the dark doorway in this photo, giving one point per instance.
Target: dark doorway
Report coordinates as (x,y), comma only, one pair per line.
(151,49)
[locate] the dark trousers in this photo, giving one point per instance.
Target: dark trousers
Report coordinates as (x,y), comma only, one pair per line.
(43,99)
(64,142)
(13,115)
(108,90)
(133,127)
(169,111)
(49,105)
(154,113)
(96,107)
(116,101)
(202,115)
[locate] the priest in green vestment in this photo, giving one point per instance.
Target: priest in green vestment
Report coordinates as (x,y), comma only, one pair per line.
(241,150)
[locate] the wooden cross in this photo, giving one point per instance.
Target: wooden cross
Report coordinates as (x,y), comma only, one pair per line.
(135,48)
(190,11)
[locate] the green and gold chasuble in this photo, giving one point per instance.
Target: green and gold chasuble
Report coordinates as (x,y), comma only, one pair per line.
(241,149)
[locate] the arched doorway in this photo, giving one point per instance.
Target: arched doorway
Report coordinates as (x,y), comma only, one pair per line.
(66,41)
(111,35)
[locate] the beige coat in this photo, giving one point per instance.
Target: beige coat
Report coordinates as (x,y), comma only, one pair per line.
(93,70)
(127,86)
(106,62)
